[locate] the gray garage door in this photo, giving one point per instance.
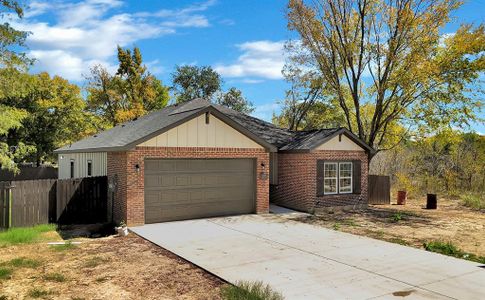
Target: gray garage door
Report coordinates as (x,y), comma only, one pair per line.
(179,189)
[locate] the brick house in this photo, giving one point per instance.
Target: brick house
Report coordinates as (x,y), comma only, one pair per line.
(199,159)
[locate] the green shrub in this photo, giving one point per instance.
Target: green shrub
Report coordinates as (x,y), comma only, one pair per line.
(5,273)
(24,235)
(244,290)
(473,201)
(447,248)
(396,217)
(57,277)
(336,226)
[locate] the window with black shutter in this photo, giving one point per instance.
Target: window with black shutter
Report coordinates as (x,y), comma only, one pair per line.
(338,177)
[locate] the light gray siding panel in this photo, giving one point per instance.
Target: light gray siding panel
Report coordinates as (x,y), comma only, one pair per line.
(98,159)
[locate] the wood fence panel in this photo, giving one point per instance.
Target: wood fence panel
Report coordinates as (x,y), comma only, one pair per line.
(82,200)
(4,204)
(30,202)
(379,189)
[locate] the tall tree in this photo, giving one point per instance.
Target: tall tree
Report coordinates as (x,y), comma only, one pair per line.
(235,100)
(130,93)
(11,43)
(55,113)
(386,59)
(12,40)
(192,82)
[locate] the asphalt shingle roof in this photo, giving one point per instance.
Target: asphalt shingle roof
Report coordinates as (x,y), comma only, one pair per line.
(130,133)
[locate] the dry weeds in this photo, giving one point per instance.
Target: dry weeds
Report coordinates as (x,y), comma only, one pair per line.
(105,268)
(412,224)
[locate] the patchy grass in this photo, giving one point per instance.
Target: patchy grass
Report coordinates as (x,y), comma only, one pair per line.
(57,277)
(249,291)
(23,262)
(350,222)
(63,275)
(473,201)
(448,248)
(336,226)
(38,293)
(95,261)
(24,235)
(398,241)
(5,273)
(64,247)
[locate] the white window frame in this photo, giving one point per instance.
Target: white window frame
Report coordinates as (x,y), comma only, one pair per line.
(336,178)
(346,177)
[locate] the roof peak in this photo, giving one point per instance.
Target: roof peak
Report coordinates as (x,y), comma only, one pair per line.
(190,105)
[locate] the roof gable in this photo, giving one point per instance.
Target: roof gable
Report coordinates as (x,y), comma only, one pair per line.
(195,132)
(129,134)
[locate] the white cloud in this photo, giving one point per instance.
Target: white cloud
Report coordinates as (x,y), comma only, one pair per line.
(265,111)
(262,59)
(87,32)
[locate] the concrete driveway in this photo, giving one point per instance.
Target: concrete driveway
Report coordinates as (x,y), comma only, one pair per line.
(308,262)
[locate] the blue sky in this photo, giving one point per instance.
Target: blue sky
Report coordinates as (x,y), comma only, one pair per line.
(242,40)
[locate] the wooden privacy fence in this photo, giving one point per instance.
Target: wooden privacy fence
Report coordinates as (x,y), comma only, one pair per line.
(27,203)
(82,201)
(379,189)
(67,201)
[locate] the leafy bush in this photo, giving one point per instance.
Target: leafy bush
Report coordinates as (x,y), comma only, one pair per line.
(24,235)
(473,201)
(244,290)
(447,248)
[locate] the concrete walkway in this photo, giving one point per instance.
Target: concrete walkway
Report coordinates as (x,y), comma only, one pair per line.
(308,262)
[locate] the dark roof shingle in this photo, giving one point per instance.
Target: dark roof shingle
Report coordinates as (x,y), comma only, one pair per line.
(131,133)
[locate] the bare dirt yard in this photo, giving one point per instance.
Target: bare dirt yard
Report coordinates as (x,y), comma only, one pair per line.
(412,224)
(100,268)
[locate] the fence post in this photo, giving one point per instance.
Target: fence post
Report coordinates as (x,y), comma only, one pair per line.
(9,188)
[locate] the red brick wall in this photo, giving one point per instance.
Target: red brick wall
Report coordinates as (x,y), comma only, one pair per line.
(117,165)
(131,196)
(297,181)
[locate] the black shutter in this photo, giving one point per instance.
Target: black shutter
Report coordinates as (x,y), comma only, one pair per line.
(320,174)
(356,174)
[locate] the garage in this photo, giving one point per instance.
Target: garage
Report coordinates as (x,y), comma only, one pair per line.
(180,189)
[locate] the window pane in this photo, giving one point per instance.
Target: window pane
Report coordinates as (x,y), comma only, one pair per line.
(330,170)
(345,170)
(345,185)
(330,185)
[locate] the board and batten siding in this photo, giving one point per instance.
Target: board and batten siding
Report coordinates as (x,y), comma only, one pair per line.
(196,133)
(344,144)
(98,160)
